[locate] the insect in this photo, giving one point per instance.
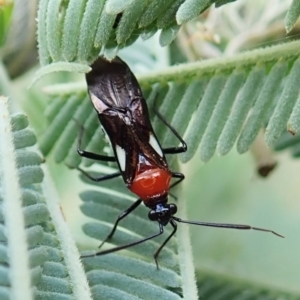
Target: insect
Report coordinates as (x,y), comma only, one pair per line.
(123,114)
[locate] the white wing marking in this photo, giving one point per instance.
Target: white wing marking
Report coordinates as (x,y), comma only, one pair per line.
(153,142)
(121,157)
(98,104)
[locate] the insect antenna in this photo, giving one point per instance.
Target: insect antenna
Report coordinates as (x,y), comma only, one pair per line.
(224,225)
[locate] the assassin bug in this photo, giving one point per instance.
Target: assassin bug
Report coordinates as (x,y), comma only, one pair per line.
(123,114)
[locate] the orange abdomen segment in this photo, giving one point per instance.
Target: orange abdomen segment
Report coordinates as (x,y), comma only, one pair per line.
(151,183)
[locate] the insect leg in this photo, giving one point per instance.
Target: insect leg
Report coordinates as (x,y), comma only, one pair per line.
(87,154)
(161,231)
(120,217)
(174,225)
(178,175)
(172,150)
(100,178)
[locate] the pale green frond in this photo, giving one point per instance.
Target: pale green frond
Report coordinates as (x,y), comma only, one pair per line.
(289,142)
(292,15)
(248,77)
(133,275)
(57,67)
(214,104)
(34,263)
(191,9)
(78,30)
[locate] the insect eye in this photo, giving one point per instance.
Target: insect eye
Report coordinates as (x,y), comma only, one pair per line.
(173,209)
(152,215)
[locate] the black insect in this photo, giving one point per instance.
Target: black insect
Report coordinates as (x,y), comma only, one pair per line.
(123,114)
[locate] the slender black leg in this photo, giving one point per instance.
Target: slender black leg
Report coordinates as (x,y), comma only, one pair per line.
(174,225)
(172,150)
(100,178)
(224,225)
(87,154)
(178,175)
(120,217)
(161,231)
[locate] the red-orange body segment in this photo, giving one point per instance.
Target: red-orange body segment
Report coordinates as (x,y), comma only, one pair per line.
(150,182)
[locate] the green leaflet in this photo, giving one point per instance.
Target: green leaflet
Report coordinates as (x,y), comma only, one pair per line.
(241,107)
(292,15)
(34,264)
(191,9)
(285,105)
(78,30)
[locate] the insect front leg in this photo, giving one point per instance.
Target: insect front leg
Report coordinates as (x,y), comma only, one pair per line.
(156,254)
(99,178)
(120,217)
(172,150)
(87,154)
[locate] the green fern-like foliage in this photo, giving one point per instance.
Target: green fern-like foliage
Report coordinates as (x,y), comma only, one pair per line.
(34,262)
(77,30)
(292,15)
(214,104)
(224,101)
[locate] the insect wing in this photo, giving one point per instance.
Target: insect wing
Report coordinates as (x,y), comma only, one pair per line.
(145,136)
(123,113)
(131,145)
(123,142)
(112,84)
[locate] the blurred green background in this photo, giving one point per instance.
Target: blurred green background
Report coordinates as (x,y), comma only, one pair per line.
(228,190)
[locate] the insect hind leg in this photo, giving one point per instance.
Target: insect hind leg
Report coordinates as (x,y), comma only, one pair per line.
(172,150)
(180,177)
